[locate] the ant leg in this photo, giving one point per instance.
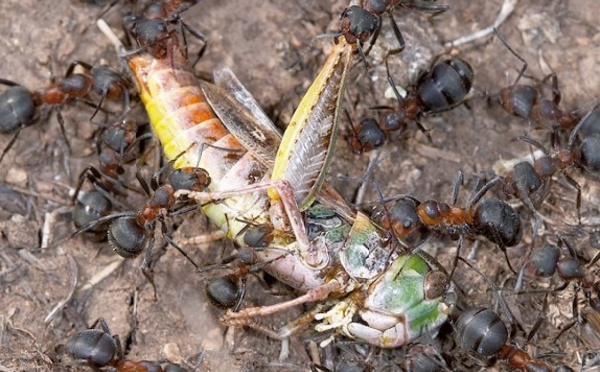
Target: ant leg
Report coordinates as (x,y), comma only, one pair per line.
(456,258)
(556,96)
(425,131)
(458,181)
(61,124)
(392,82)
(10,143)
(398,35)
(74,64)
(198,35)
(9,83)
(576,185)
(175,245)
(146,265)
(375,35)
(514,53)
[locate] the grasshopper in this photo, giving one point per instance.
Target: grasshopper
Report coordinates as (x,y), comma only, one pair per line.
(375,293)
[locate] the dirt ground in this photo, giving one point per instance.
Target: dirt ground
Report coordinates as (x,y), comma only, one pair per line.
(49,293)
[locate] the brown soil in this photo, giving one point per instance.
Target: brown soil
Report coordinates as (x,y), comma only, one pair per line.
(258,40)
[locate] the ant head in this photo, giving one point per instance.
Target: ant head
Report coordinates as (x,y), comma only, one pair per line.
(396,121)
(189,178)
(118,137)
(544,260)
(151,35)
(498,222)
(258,236)
(370,136)
(518,100)
(357,24)
(108,82)
(127,236)
(402,219)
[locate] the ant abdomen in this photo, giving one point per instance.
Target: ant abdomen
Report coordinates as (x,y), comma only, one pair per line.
(498,222)
(223,291)
(518,100)
(127,236)
(482,331)
(17,109)
(544,260)
(446,85)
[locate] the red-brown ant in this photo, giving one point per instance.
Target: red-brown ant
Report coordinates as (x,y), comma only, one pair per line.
(412,221)
(481,330)
(527,101)
(445,86)
(18,105)
(151,30)
(129,233)
(530,182)
(442,88)
(547,260)
(364,23)
(98,348)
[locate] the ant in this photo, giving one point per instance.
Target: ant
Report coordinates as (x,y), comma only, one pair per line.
(530,182)
(412,221)
(98,348)
(527,101)
(481,330)
(129,233)
(18,105)
(547,260)
(151,31)
(114,145)
(364,23)
(369,135)
(442,88)
(228,291)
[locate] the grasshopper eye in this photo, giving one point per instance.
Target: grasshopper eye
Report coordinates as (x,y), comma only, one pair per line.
(434,284)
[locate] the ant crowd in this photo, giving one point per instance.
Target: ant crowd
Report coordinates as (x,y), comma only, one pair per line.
(377,282)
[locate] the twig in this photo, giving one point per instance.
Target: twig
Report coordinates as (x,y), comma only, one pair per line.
(507,8)
(72,286)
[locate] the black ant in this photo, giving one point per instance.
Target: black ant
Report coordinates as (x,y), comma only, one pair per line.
(115,145)
(527,101)
(151,30)
(98,348)
(526,180)
(129,233)
(18,105)
(443,87)
(481,330)
(228,291)
(364,23)
(546,261)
